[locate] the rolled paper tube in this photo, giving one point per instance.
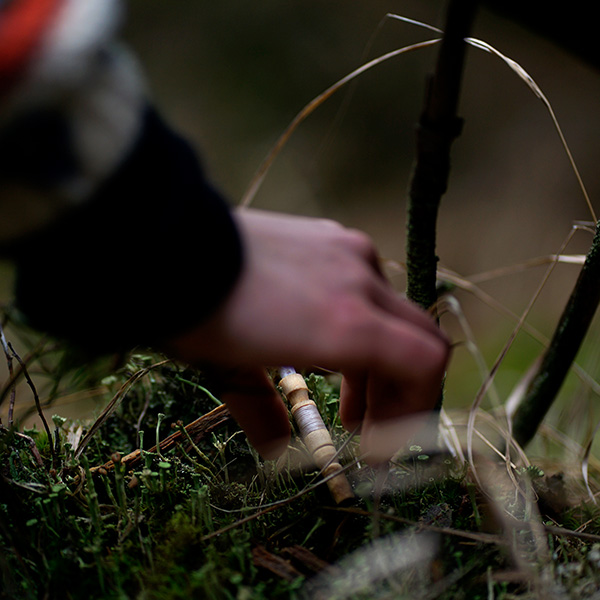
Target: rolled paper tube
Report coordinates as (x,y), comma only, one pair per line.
(314,433)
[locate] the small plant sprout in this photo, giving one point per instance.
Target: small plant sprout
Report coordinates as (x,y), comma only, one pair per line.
(58,421)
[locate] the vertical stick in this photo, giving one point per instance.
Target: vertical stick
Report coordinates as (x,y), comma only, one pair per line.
(437,129)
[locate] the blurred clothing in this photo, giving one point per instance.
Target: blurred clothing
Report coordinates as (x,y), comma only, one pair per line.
(117,236)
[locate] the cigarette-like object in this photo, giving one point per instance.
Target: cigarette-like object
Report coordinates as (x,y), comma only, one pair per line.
(314,433)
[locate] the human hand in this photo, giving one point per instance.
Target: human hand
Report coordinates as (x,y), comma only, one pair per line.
(311,292)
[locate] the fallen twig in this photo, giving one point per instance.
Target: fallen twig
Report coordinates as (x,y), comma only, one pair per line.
(437,129)
(196,430)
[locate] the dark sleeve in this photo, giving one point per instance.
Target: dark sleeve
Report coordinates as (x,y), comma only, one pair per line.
(153,252)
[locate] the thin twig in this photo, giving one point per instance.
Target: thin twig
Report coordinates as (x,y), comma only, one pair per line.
(437,129)
(11,375)
(30,442)
(273,505)
(484,538)
(564,346)
(112,405)
(194,432)
(533,86)
(483,390)
(36,398)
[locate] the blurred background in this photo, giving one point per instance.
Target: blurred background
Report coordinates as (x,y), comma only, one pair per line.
(232,75)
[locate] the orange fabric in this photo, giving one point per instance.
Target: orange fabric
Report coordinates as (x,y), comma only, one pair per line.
(22,23)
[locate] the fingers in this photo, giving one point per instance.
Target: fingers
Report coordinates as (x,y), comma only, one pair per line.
(395,413)
(392,399)
(380,291)
(362,337)
(375,287)
(257,407)
(382,440)
(392,303)
(353,399)
(390,413)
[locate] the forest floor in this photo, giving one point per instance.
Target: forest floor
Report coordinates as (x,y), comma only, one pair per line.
(162,497)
